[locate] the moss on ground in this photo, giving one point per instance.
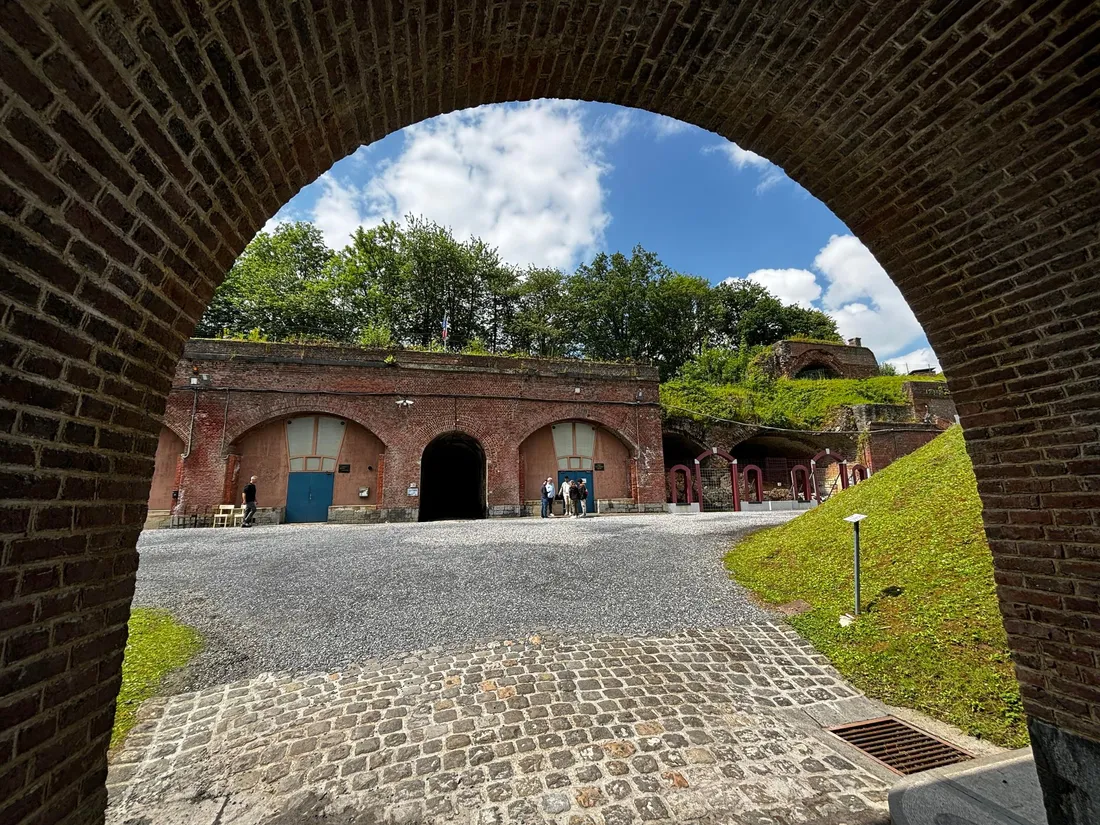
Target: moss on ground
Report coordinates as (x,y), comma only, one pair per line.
(157,645)
(931,636)
(796,403)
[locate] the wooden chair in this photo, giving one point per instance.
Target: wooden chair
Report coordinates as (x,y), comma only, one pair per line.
(223,515)
(238,516)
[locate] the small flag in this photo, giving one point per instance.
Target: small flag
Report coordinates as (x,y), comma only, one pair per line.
(446,327)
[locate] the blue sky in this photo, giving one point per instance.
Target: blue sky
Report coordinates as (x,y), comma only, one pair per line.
(553,182)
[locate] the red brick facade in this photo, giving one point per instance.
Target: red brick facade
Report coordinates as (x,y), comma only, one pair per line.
(225,390)
(144,143)
(791,358)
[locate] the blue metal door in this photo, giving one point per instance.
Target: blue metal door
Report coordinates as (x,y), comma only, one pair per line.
(577,475)
(308,496)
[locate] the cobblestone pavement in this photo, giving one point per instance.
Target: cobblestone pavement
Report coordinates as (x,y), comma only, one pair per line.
(718,726)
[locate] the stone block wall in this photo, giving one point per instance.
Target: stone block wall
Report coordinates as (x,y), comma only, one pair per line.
(885,442)
(931,402)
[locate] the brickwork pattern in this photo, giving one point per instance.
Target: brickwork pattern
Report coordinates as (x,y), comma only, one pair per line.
(145,142)
(788,358)
(550,730)
(498,401)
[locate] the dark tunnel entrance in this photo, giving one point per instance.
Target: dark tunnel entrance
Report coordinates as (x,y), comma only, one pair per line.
(452,479)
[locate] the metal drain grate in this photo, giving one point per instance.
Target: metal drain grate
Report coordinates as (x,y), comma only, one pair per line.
(900,747)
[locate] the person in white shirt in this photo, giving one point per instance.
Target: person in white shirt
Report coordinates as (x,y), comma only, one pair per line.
(567,508)
(548,490)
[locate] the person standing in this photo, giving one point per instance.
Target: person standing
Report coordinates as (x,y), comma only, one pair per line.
(548,498)
(565,504)
(248,499)
(575,498)
(582,497)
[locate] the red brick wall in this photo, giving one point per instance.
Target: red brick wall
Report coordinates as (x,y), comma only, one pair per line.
(958,140)
(788,358)
(885,445)
(250,389)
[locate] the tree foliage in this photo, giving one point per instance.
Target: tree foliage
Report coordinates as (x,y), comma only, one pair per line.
(393,285)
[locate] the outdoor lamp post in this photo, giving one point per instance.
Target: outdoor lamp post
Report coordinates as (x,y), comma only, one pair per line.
(855,519)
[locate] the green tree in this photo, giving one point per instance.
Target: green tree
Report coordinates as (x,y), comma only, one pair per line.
(495,296)
(539,324)
(281,285)
(746,313)
(371,279)
(680,317)
(809,323)
(609,305)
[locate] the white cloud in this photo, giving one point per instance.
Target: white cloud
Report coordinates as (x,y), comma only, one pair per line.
(739,157)
(863,299)
(664,126)
(526,179)
(610,128)
(336,212)
(791,286)
(915,360)
(742,159)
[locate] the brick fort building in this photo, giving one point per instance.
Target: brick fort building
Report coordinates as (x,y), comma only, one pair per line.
(350,435)
(343,434)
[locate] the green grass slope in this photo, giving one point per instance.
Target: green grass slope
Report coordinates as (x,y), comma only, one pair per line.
(930,637)
(157,644)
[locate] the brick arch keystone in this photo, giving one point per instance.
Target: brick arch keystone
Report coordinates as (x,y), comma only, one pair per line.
(144,143)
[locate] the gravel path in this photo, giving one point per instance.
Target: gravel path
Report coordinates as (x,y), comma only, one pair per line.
(319,597)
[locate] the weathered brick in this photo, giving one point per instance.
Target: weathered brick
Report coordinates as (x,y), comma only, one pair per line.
(956,139)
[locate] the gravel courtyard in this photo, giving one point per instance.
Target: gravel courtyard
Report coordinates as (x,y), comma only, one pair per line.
(302,598)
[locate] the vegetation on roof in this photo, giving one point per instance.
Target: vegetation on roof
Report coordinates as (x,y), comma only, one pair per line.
(732,385)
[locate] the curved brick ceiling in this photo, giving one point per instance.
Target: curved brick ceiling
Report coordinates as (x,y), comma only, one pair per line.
(143,143)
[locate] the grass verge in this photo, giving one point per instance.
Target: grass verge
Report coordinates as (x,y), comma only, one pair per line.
(157,644)
(930,637)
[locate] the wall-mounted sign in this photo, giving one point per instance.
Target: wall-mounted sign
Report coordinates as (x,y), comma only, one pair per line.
(344,468)
(413,490)
(598,466)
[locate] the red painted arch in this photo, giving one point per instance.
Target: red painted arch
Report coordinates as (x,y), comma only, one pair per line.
(734,479)
(679,468)
(795,470)
(758,478)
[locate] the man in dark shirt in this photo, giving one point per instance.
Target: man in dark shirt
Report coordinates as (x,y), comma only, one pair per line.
(248,498)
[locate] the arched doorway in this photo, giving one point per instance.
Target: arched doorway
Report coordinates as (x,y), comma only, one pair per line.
(679,450)
(452,478)
(163,492)
(578,450)
(816,371)
(305,464)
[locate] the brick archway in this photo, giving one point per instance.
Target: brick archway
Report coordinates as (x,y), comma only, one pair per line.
(143,144)
(318,405)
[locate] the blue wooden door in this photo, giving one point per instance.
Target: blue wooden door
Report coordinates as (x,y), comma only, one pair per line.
(577,475)
(308,496)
